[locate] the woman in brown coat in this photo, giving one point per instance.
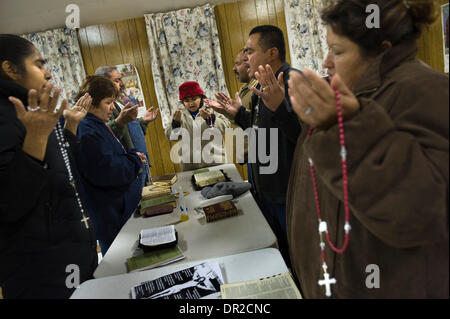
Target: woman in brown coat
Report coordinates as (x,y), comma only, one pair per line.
(396,130)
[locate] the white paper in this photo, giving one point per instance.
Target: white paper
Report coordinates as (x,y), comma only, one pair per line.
(201,281)
(158,235)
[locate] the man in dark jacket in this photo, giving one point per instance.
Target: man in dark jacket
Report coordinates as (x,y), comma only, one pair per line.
(271,114)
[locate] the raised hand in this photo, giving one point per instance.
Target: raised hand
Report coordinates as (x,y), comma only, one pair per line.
(39,120)
(150,115)
(177,116)
(212,104)
(77,113)
(315,103)
(225,105)
(272,90)
(128,114)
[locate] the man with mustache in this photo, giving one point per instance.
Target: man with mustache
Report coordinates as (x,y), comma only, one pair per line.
(265,55)
(240,68)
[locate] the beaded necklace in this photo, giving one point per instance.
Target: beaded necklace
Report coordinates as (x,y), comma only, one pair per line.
(322,224)
(63,146)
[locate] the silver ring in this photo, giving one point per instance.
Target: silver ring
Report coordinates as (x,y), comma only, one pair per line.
(33,109)
(308,110)
(44,110)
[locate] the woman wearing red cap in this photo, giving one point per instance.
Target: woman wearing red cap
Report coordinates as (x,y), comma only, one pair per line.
(189,124)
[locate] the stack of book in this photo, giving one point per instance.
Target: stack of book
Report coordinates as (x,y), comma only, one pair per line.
(160,248)
(157,198)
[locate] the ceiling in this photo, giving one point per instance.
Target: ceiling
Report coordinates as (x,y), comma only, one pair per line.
(24,16)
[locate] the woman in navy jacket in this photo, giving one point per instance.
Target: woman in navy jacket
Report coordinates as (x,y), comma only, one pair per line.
(109,172)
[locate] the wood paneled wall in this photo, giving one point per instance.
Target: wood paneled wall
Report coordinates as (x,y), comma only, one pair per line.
(126,42)
(234,22)
(431,47)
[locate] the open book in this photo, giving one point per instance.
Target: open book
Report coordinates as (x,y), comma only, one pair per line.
(280,286)
(153,237)
(160,248)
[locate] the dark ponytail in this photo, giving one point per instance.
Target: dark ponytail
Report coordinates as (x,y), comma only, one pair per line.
(400,21)
(14,49)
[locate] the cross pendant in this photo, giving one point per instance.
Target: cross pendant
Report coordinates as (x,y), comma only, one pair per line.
(327,282)
(84,220)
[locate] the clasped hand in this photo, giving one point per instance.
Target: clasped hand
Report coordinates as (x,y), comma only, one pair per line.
(315,102)
(204,113)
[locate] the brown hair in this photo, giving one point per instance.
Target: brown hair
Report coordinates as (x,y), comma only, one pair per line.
(98,88)
(400,20)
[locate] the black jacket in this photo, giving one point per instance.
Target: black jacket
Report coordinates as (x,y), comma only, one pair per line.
(42,238)
(273,186)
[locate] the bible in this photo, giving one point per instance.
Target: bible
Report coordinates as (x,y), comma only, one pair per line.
(219,211)
(158,237)
(169,179)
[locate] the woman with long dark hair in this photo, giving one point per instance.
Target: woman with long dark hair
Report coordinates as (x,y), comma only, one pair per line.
(47,246)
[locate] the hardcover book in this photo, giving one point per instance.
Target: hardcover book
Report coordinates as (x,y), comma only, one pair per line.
(153,259)
(219,211)
(158,201)
(166,208)
(209,178)
(153,191)
(167,179)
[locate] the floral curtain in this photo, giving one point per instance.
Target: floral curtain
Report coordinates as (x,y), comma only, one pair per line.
(184,46)
(61,50)
(306,34)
